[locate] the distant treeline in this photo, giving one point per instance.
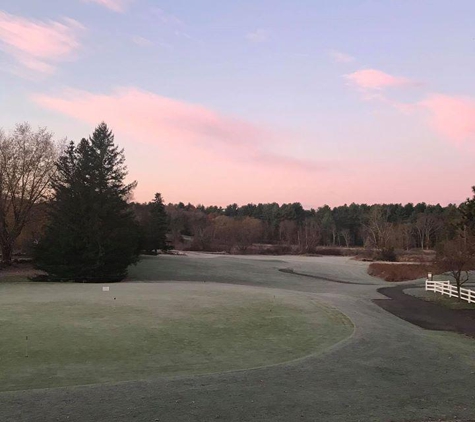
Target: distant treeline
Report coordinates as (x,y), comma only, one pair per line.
(68,206)
(235,228)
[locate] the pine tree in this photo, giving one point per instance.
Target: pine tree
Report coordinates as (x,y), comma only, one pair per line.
(92,234)
(158,225)
(467,210)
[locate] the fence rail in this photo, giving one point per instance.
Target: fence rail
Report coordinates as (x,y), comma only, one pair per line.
(445,288)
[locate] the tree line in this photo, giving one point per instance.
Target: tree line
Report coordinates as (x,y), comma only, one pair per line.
(76,197)
(237,228)
(71,205)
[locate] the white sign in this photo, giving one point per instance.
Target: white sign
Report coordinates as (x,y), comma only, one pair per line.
(105,289)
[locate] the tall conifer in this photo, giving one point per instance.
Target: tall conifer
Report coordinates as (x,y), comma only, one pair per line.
(92,234)
(158,225)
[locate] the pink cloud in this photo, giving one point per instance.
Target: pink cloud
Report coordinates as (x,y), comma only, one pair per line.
(191,153)
(115,5)
(37,44)
(372,79)
(170,123)
(453,117)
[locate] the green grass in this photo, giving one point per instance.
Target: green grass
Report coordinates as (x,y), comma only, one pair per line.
(258,271)
(78,334)
(457,345)
(448,302)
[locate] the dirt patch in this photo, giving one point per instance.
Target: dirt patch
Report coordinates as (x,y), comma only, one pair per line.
(399,272)
(427,315)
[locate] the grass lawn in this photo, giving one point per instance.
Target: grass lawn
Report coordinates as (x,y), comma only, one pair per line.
(78,334)
(449,302)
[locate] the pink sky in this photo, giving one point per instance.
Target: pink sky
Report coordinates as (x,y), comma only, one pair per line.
(36,44)
(214,107)
(213,158)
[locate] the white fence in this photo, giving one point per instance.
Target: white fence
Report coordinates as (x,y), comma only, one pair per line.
(445,288)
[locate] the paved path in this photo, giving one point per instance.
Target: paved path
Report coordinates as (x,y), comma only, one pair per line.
(389,370)
(427,314)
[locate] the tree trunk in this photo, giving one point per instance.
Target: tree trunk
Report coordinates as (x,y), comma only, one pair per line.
(7,252)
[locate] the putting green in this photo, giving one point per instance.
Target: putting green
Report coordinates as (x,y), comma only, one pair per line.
(78,334)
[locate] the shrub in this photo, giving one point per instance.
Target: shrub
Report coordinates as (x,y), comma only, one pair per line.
(386,254)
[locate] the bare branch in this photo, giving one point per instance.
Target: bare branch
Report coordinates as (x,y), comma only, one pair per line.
(27,163)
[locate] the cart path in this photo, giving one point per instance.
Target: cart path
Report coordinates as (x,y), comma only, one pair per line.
(426,314)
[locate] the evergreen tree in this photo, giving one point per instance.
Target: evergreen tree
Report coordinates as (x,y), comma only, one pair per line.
(467,210)
(158,226)
(92,234)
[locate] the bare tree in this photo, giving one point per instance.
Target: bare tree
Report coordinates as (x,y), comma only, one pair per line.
(237,234)
(311,235)
(426,226)
(177,219)
(287,231)
(223,232)
(380,235)
(27,162)
(378,230)
(457,257)
(247,231)
(199,225)
(345,233)
(404,233)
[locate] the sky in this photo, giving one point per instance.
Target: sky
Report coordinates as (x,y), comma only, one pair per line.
(216,102)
